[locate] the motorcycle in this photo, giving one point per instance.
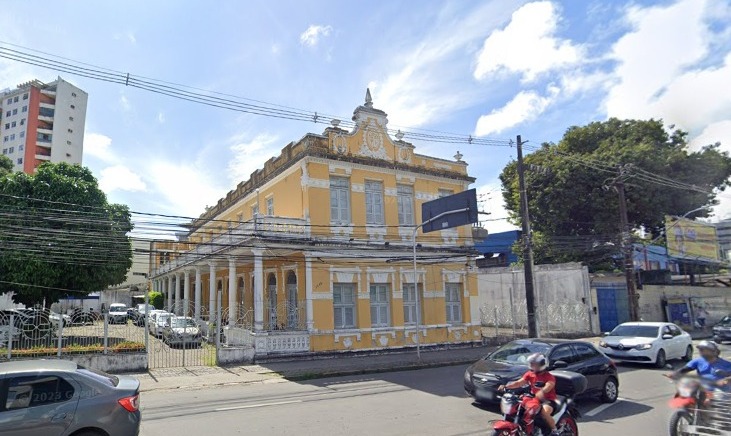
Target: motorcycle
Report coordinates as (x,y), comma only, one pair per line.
(521,410)
(700,409)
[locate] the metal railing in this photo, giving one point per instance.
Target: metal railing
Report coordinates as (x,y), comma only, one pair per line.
(35,333)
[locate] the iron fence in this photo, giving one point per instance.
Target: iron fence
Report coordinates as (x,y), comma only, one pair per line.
(35,333)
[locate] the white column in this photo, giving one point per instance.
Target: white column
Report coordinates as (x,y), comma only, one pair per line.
(197,312)
(170,293)
(231,291)
(212,291)
(308,293)
(186,293)
(178,280)
(258,290)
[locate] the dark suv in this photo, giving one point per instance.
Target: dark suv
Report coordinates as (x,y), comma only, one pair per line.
(722,330)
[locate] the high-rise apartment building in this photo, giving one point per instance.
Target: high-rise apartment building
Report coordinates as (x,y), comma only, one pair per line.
(42,122)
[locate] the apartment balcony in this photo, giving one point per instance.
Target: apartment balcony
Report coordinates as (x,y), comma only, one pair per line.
(43,157)
(265,227)
(46,118)
(45,131)
(46,143)
(49,92)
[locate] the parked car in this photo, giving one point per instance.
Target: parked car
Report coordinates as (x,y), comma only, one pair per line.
(44,397)
(157,321)
(509,363)
(118,313)
(59,319)
(14,329)
(181,330)
(144,309)
(648,342)
(722,330)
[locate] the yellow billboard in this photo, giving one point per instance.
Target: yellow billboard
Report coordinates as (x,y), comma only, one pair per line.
(691,239)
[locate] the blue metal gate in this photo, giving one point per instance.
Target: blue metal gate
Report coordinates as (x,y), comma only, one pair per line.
(613,305)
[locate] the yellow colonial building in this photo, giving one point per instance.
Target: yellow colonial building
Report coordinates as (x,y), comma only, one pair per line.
(314,252)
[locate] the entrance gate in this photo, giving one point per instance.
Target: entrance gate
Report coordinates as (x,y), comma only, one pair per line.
(179,337)
(613,305)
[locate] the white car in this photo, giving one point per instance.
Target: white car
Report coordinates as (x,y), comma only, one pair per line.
(647,342)
(118,313)
(57,317)
(157,321)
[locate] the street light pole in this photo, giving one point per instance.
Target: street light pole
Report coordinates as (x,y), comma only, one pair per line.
(527,246)
(416,285)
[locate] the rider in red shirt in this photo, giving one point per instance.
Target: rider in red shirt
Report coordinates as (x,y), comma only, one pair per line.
(542,384)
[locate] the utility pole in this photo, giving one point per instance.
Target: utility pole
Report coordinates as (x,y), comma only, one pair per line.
(527,246)
(627,247)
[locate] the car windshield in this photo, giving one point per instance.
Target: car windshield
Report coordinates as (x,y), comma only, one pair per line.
(183,322)
(517,353)
(639,331)
(116,308)
(162,317)
(726,321)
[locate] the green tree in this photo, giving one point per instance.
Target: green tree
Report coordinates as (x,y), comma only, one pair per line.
(6,166)
(60,235)
(157,300)
(576,217)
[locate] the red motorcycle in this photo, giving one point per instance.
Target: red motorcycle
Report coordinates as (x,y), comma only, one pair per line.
(521,410)
(700,409)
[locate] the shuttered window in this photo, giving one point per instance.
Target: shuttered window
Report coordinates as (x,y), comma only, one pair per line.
(453,299)
(380,305)
(374,202)
(344,305)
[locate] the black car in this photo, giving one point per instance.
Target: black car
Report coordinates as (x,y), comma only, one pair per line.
(509,363)
(722,330)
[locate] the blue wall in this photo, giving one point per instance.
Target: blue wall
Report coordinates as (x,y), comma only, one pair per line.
(500,243)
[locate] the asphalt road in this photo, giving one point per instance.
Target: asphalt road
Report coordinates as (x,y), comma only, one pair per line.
(429,401)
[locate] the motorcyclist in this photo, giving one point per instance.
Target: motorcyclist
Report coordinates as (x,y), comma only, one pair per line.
(709,366)
(542,384)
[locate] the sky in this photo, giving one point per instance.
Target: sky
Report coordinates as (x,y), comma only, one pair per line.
(493,69)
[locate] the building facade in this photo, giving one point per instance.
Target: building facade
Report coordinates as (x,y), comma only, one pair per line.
(314,252)
(42,122)
(723,230)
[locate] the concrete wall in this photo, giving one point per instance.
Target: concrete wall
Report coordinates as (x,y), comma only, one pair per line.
(112,363)
(235,355)
(564,286)
(716,301)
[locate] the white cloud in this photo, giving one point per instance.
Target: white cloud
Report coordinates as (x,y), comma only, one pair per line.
(527,45)
(275,49)
(311,37)
(427,79)
(119,177)
(161,117)
(99,146)
(716,132)
(185,189)
(124,103)
(490,200)
(250,155)
(525,106)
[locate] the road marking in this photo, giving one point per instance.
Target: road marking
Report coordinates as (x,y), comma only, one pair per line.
(252,406)
(599,409)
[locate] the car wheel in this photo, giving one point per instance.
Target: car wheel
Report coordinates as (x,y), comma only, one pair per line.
(661,360)
(610,391)
(718,341)
(688,354)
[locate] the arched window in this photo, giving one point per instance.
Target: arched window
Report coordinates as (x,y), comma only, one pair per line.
(292,310)
(242,294)
(272,300)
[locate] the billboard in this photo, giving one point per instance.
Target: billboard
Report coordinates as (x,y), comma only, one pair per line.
(691,239)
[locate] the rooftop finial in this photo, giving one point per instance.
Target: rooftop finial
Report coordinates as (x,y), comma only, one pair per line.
(368,99)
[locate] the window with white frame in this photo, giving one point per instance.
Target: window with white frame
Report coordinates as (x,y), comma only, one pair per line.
(405,200)
(340,200)
(254,210)
(380,305)
(453,300)
(374,202)
(410,303)
(270,206)
(344,305)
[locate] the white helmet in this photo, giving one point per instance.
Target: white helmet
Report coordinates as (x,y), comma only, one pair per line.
(538,359)
(708,345)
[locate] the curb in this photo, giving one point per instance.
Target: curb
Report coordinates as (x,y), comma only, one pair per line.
(302,376)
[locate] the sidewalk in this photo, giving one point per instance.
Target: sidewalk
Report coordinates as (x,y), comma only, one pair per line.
(274,372)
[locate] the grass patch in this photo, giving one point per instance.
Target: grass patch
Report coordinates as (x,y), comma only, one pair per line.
(42,350)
